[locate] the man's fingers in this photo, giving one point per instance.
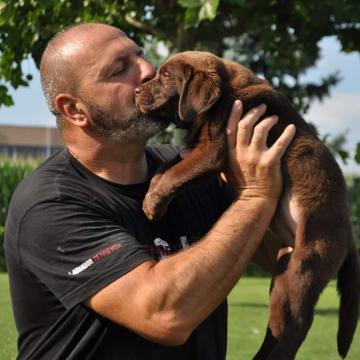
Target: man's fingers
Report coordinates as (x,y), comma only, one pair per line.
(246,125)
(261,131)
(232,125)
(281,144)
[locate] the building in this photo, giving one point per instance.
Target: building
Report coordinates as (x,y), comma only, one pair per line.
(27,141)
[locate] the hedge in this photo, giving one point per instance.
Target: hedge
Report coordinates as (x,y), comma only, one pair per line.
(12,171)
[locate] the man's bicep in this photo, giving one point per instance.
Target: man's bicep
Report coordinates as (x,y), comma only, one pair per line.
(124,301)
(75,251)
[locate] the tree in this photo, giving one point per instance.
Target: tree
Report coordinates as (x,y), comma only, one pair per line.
(277,39)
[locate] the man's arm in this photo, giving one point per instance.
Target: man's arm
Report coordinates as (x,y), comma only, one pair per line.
(165,301)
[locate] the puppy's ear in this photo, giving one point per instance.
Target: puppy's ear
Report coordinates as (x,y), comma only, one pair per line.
(200,91)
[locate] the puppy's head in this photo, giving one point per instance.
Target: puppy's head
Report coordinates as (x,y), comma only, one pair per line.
(188,82)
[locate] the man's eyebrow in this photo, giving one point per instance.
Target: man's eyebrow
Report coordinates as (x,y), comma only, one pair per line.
(120,58)
(109,66)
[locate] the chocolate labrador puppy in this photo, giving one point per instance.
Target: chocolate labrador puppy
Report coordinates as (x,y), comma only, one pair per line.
(198,89)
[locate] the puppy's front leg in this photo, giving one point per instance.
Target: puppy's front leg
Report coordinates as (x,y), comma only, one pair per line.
(206,157)
(156,194)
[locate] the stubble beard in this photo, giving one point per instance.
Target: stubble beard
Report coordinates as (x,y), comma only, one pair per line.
(137,127)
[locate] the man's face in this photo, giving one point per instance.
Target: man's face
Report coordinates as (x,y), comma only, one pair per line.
(112,71)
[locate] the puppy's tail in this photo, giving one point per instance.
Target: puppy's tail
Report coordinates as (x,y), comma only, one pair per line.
(348,285)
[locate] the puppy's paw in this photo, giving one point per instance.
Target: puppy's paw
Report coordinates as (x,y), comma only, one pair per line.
(154,182)
(155,205)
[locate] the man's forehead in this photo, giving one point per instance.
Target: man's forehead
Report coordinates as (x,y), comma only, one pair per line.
(116,51)
(96,53)
(109,48)
(120,46)
(94,41)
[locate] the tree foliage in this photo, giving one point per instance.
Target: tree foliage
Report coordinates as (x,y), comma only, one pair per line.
(278,39)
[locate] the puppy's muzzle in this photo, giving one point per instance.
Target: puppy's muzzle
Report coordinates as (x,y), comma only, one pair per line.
(143,99)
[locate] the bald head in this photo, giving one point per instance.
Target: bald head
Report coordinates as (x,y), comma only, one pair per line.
(64,56)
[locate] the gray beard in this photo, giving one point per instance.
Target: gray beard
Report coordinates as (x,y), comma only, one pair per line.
(137,128)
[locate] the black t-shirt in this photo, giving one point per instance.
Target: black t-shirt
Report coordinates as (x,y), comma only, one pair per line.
(69,233)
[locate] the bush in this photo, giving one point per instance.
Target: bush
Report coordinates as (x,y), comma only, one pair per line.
(12,171)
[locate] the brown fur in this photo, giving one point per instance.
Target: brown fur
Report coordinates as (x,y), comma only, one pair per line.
(198,89)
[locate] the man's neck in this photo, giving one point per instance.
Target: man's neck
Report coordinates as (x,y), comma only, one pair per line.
(120,163)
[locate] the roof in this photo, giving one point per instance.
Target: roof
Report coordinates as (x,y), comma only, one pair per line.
(30,136)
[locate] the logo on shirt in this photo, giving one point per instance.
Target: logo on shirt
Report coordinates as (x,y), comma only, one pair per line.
(162,249)
(101,254)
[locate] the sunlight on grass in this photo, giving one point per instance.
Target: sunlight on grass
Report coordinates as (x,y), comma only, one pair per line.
(248,311)
(8,331)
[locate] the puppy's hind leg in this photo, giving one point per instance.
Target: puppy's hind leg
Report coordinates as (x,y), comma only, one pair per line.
(270,340)
(295,291)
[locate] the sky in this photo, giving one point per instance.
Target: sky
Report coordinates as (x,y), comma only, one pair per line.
(338,113)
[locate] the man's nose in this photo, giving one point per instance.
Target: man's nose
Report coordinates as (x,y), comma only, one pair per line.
(147,72)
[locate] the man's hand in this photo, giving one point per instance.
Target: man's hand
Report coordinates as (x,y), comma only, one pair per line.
(165,301)
(253,168)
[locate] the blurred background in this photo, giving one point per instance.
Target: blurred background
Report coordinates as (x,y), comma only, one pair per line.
(307,50)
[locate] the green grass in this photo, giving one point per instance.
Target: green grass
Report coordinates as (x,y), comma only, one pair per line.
(247,321)
(8,333)
(248,312)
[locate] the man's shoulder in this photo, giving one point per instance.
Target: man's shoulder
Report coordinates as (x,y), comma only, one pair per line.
(44,184)
(44,175)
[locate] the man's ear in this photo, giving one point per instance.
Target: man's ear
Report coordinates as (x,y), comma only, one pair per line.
(71,109)
(199,93)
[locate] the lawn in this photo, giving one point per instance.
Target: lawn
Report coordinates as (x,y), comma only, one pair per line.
(247,321)
(248,313)
(8,331)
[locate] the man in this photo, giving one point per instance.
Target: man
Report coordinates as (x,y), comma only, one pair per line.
(84,263)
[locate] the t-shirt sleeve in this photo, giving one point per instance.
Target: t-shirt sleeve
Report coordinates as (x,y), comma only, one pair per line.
(75,251)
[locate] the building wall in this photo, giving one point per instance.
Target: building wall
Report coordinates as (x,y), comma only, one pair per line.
(29,141)
(27,151)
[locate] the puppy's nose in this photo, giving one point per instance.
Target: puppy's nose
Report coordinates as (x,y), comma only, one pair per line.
(138,90)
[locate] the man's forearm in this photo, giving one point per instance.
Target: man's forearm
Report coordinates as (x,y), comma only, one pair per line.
(195,281)
(164,301)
